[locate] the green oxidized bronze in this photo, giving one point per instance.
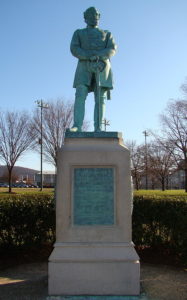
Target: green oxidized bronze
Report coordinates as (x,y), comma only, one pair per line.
(93,47)
(93,196)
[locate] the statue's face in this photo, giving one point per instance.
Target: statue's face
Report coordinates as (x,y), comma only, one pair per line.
(92,20)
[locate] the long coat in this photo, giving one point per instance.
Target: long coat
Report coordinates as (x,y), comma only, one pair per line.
(89,42)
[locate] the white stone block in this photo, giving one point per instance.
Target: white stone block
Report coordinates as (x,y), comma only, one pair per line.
(94,259)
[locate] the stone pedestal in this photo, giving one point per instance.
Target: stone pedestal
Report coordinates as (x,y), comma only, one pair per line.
(93,253)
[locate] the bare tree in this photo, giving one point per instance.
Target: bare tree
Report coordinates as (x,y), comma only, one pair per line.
(161,161)
(184,88)
(137,162)
(174,125)
(14,139)
(56,119)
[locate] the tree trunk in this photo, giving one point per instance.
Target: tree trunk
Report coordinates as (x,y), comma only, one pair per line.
(167,182)
(152,184)
(137,183)
(163,183)
(185,172)
(10,180)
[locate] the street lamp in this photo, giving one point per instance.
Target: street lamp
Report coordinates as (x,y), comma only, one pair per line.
(146,173)
(42,105)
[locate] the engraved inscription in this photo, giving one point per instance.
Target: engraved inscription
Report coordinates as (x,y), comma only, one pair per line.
(93,196)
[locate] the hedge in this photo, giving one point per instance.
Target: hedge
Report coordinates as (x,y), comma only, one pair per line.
(29,220)
(161,223)
(26,220)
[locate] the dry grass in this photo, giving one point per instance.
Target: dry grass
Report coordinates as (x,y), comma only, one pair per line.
(160,193)
(4,191)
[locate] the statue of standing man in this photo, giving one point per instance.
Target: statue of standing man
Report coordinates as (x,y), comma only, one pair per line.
(93,47)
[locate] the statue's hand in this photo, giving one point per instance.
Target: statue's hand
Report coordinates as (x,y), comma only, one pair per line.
(101,66)
(94,58)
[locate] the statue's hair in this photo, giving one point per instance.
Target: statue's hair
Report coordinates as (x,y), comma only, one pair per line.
(91,10)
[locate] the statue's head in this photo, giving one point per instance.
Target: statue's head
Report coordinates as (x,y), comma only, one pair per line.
(92,16)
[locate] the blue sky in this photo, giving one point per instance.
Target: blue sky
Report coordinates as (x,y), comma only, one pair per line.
(149,66)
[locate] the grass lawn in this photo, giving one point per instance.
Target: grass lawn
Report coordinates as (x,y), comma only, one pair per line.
(179,195)
(149,193)
(136,193)
(160,193)
(4,191)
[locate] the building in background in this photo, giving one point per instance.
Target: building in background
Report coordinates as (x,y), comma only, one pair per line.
(48,178)
(19,174)
(176,180)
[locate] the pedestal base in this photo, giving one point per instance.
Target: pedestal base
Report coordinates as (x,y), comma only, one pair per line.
(94,269)
(93,253)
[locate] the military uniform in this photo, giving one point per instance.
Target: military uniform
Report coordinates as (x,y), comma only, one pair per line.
(89,42)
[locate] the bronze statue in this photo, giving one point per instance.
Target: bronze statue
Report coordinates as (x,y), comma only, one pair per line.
(93,47)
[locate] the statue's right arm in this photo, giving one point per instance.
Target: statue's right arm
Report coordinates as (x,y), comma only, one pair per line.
(76,49)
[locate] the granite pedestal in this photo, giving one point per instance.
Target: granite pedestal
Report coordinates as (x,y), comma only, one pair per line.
(94,253)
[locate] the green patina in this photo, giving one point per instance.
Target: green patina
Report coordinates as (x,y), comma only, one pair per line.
(89,134)
(93,196)
(93,47)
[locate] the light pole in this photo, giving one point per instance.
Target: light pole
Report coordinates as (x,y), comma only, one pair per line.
(106,123)
(146,175)
(42,105)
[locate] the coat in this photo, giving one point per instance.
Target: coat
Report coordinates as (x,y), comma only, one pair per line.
(89,42)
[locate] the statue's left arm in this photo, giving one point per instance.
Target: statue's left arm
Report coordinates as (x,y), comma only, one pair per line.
(110,49)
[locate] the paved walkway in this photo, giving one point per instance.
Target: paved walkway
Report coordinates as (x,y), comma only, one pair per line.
(29,282)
